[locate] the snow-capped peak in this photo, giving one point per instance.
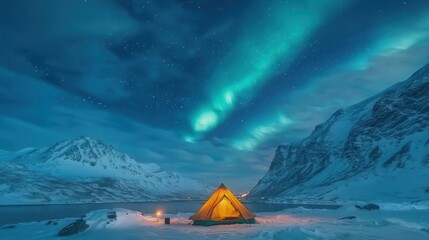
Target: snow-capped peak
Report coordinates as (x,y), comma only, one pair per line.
(90,157)
(87,150)
(88,165)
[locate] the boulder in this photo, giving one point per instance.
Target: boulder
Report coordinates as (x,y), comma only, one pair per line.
(368,207)
(74,228)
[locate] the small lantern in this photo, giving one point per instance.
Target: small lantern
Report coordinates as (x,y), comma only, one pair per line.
(158,215)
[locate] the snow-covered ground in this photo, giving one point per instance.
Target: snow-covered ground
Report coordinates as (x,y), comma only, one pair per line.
(390,222)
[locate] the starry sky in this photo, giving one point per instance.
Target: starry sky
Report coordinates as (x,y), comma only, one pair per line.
(205,88)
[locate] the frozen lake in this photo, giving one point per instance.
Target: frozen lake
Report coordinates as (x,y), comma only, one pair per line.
(13,214)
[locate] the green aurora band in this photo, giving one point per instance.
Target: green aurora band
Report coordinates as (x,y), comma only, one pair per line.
(396,37)
(261,131)
(260,51)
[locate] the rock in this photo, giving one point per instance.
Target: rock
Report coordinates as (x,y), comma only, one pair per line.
(51,222)
(74,228)
(111,215)
(368,207)
(348,217)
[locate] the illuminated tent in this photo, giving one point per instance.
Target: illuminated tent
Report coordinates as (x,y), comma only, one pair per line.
(222,208)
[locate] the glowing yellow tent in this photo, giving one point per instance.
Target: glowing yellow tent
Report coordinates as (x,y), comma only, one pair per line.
(222,208)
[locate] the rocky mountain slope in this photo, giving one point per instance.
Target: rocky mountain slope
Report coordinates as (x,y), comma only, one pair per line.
(87,170)
(377,149)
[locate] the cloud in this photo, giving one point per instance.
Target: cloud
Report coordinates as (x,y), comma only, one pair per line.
(135,58)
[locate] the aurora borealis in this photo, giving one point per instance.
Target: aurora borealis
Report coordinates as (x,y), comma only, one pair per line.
(256,54)
(205,88)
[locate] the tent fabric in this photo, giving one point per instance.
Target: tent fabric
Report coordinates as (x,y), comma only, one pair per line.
(223,206)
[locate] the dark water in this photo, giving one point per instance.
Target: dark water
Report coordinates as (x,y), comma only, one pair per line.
(28,213)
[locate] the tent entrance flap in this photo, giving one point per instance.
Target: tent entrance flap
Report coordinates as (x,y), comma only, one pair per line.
(225,210)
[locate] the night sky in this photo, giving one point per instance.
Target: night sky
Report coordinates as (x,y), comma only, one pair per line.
(206,88)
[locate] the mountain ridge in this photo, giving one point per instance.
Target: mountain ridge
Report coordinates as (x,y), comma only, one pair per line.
(85,166)
(368,140)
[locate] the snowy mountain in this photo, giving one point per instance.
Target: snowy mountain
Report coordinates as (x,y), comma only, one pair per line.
(87,170)
(377,149)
